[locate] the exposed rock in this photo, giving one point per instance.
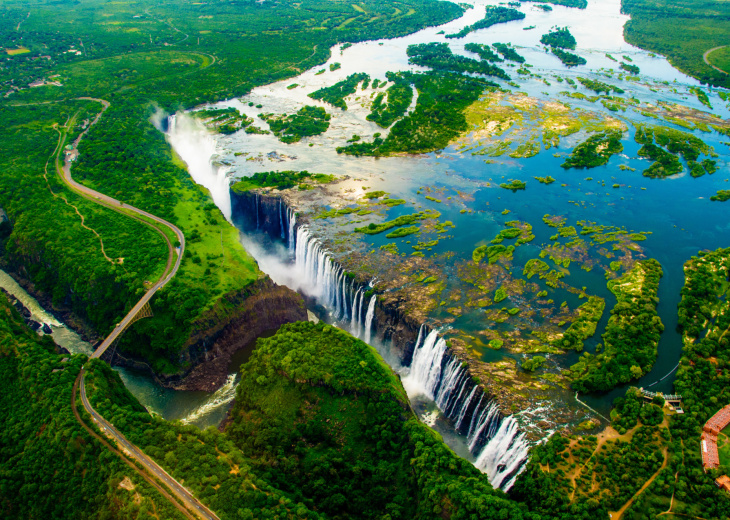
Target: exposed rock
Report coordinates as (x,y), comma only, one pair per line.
(234,322)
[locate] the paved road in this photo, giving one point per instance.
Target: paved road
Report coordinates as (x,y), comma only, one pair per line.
(112,203)
(706,55)
(151,467)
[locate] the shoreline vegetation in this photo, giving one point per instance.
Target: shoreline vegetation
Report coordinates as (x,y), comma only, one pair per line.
(494,15)
(142,72)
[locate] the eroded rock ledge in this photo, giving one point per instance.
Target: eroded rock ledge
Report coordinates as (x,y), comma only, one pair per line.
(236,320)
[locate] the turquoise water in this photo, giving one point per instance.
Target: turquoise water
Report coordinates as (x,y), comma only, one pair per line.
(675,211)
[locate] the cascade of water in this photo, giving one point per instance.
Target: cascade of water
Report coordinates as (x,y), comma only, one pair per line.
(292,222)
(426,364)
(354,325)
(499,446)
(369,318)
(281,219)
(257,211)
(496,441)
(504,454)
(359,312)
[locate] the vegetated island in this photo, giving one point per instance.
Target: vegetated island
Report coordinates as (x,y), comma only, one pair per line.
(308,121)
(595,151)
(493,16)
(632,333)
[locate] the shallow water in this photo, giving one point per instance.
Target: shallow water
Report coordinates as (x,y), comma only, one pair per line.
(201,409)
(676,210)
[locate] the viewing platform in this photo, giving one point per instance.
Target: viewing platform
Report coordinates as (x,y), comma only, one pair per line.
(673,400)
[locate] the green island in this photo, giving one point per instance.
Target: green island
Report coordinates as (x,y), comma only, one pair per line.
(308,121)
(386,110)
(225,121)
(281,180)
(560,38)
(599,86)
(508,52)
(665,145)
(632,333)
(483,51)
(438,56)
(579,4)
(633,69)
(336,94)
(436,120)
(595,151)
(568,58)
(493,16)
(721,196)
(514,185)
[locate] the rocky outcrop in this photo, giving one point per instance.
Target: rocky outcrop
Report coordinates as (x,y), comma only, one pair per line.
(260,211)
(236,320)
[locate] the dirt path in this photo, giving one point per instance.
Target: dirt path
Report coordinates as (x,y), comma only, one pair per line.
(618,514)
(607,434)
(707,53)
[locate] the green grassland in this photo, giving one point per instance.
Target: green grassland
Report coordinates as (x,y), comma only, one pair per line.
(143,57)
(681,30)
(720,59)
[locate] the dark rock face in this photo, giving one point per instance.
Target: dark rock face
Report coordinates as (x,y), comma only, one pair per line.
(392,326)
(236,320)
(267,213)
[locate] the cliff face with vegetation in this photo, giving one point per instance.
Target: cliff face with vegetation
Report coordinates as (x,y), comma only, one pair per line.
(235,321)
(92,263)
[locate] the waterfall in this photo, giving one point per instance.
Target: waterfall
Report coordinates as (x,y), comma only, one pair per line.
(257,211)
(292,219)
(197,147)
(281,220)
(369,318)
(355,322)
(500,448)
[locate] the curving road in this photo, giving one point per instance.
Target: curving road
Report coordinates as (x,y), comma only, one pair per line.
(706,57)
(152,469)
(130,211)
(147,463)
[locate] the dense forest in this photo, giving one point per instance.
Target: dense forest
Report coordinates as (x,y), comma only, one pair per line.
(321,428)
(493,16)
(436,119)
(682,30)
(50,467)
(148,59)
(595,151)
(632,333)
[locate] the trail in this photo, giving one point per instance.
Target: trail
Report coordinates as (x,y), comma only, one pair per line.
(707,61)
(62,197)
(617,515)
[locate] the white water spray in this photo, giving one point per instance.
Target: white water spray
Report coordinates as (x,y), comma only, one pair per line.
(369,318)
(221,397)
(197,147)
(500,448)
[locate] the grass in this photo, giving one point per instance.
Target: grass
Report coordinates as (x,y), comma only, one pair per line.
(15,52)
(720,59)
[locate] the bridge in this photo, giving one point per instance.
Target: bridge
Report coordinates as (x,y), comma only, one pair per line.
(183,499)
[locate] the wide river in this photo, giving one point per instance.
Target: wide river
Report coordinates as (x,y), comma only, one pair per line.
(675,212)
